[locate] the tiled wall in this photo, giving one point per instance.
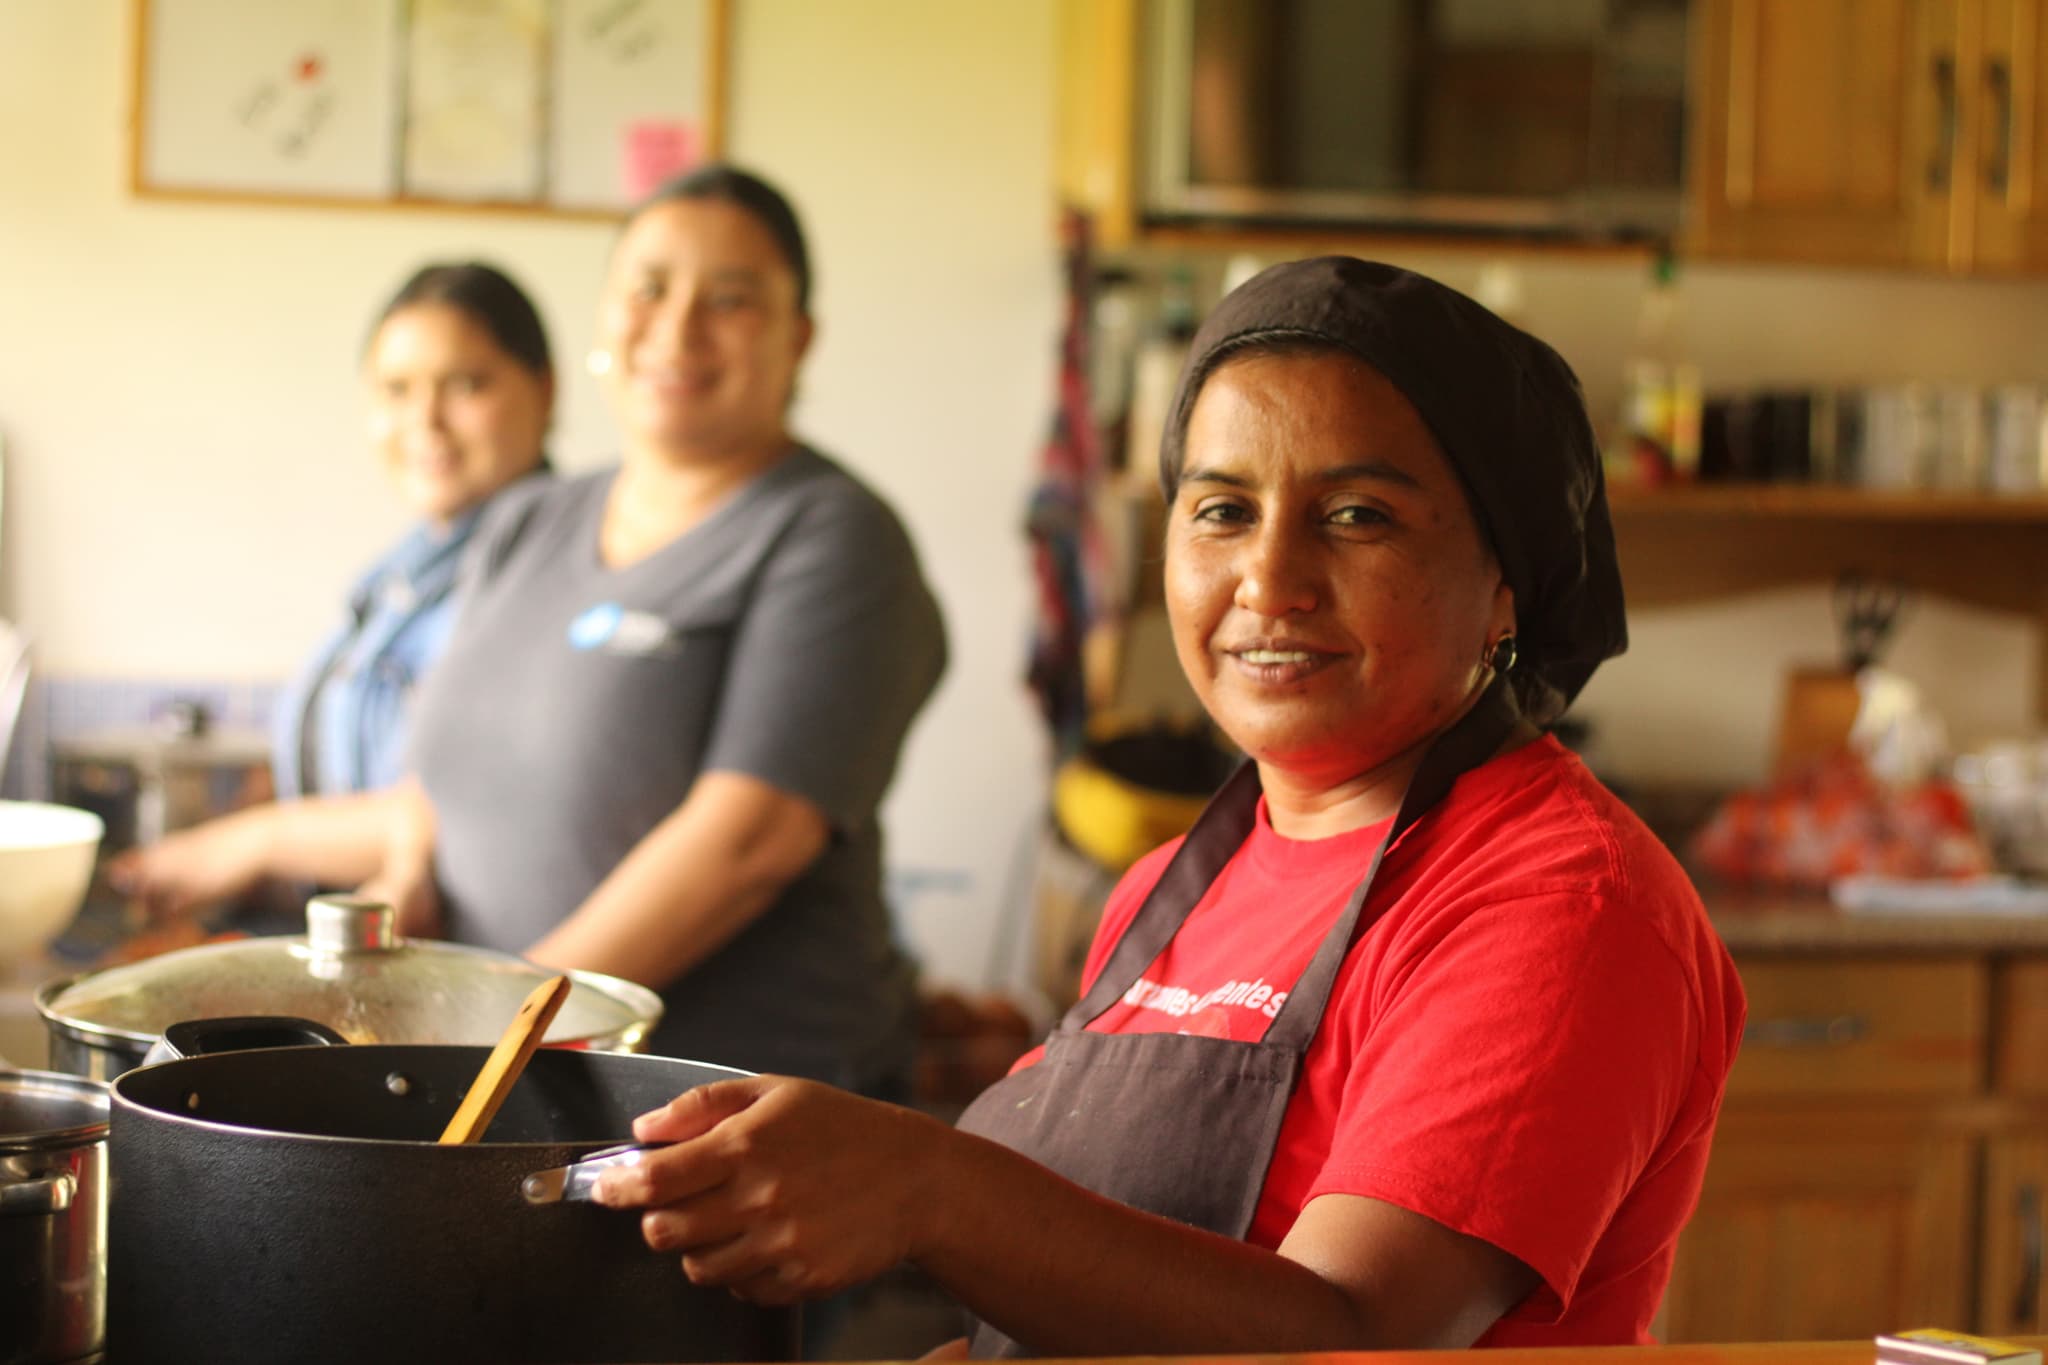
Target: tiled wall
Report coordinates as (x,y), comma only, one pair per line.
(58,709)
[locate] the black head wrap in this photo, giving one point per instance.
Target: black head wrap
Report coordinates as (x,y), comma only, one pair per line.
(1505,409)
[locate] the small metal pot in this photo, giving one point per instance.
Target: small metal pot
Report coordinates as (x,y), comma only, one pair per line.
(53,1217)
(292,1204)
(352,972)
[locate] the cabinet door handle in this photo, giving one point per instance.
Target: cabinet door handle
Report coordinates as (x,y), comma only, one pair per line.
(2026,1299)
(1942,163)
(1998,84)
(1810,1030)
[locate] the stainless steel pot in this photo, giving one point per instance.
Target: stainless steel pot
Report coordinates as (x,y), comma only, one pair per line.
(352,972)
(53,1217)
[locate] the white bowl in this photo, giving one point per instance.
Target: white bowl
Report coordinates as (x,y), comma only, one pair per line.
(46,858)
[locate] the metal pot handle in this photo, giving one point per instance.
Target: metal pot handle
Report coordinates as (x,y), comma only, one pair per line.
(577,1182)
(241,1033)
(37,1198)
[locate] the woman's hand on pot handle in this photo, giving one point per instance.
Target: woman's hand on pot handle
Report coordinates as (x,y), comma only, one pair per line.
(781,1190)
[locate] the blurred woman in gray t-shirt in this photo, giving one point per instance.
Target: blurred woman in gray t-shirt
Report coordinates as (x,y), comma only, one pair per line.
(676,689)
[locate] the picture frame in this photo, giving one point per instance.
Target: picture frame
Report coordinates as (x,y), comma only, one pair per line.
(569,107)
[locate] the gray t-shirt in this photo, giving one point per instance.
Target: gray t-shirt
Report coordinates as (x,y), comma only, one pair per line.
(789,636)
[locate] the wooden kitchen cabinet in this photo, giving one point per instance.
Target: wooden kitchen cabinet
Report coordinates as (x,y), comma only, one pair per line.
(2011,1279)
(1825,1222)
(1870,132)
(1839,1197)
(1862,1027)
(2020,1049)
(1815,129)
(1096,112)
(2011,185)
(2010,1283)
(1882,1155)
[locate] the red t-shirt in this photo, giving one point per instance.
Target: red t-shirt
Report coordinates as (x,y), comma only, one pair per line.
(1529,1046)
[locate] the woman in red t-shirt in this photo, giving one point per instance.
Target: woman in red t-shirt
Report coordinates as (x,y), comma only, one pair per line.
(1417,1038)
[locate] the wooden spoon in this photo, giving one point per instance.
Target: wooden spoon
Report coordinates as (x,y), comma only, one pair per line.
(492,1084)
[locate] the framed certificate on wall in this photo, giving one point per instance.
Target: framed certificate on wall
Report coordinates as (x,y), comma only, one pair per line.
(553,106)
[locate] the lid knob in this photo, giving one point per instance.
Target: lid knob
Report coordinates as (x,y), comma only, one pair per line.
(350,924)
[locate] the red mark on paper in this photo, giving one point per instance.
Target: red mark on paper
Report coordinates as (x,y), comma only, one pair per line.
(309,67)
(652,150)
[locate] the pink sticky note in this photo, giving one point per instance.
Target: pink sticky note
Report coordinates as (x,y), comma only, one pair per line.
(652,150)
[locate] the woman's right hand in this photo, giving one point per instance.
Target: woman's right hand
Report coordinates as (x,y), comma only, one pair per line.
(782,1190)
(413,895)
(195,867)
(405,877)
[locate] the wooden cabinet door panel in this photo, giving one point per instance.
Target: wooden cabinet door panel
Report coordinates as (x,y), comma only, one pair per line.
(2010,1280)
(1826,1224)
(2019,1047)
(2007,177)
(1823,129)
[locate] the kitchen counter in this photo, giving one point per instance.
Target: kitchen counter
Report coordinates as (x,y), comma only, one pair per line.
(1741,1353)
(1748,1353)
(1792,921)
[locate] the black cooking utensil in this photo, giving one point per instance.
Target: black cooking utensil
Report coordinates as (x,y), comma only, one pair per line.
(1866,611)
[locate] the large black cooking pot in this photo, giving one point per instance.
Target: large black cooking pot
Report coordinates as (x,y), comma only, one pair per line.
(292,1204)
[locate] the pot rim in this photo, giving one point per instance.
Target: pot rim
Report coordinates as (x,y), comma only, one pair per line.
(122,1103)
(81,1029)
(91,1092)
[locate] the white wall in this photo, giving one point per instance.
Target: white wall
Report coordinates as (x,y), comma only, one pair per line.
(187,488)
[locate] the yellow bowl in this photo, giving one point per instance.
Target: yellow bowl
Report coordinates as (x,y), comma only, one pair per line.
(1114,821)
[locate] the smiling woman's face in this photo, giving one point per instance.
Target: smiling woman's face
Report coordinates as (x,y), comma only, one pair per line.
(701,319)
(453,415)
(1330,594)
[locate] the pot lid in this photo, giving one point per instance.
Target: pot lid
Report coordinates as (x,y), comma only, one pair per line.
(352,972)
(43,1111)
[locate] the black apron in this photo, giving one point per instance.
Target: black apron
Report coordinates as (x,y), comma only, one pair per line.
(1176,1124)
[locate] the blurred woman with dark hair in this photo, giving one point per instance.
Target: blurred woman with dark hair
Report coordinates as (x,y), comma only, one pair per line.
(461,389)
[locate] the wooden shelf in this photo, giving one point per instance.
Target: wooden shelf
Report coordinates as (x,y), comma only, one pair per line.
(1316,239)
(1820,502)
(1703,543)
(1694,545)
